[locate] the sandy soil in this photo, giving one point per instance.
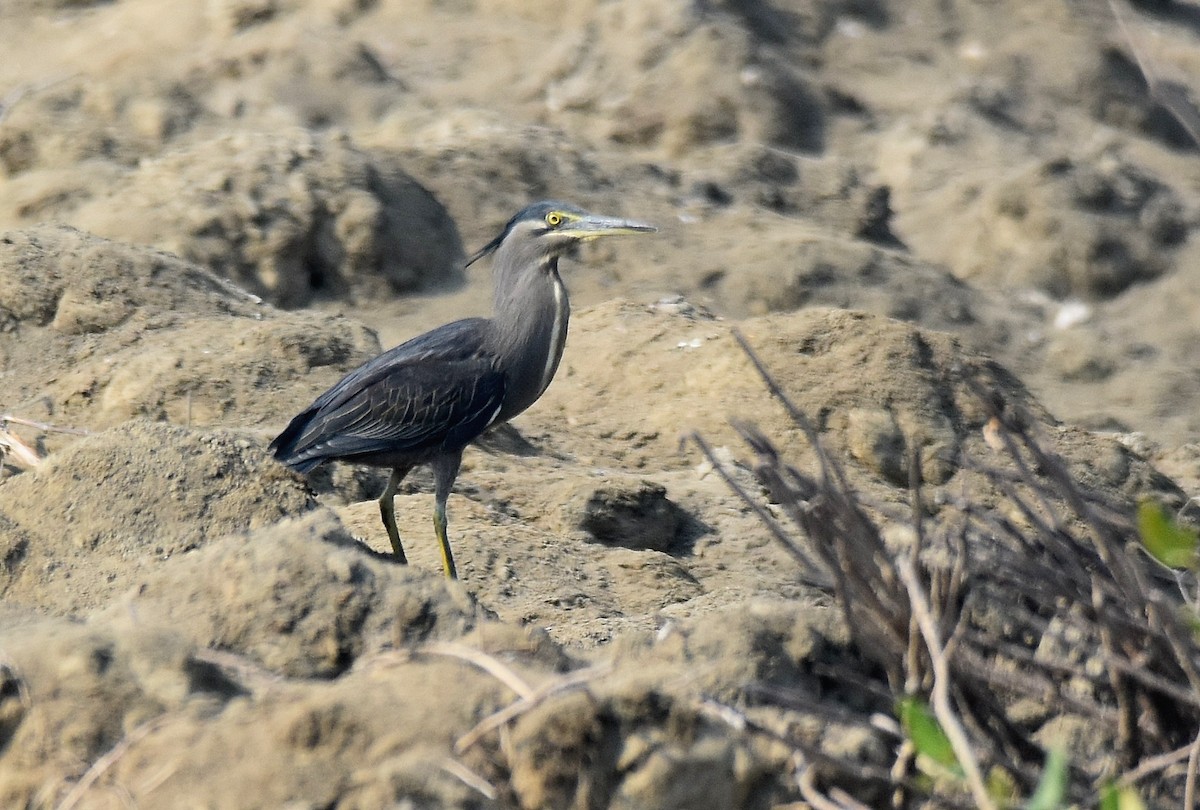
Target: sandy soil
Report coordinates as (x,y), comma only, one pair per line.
(210,212)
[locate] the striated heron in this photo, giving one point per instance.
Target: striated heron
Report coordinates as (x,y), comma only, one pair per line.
(425,400)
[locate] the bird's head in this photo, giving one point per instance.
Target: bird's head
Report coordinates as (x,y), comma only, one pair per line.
(542,232)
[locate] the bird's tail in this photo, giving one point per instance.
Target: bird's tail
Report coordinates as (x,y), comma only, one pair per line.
(286,446)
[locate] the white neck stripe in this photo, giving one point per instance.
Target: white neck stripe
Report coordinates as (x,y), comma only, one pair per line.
(557,334)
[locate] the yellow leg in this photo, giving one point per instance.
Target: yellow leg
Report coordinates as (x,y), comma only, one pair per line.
(439,527)
(387,510)
(445,469)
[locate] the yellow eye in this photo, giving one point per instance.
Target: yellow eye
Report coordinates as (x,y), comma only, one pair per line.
(554,219)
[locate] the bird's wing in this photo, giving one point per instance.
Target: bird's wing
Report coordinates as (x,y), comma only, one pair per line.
(440,389)
(453,342)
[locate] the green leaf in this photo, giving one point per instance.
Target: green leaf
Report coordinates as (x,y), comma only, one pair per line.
(1052,788)
(1120,798)
(1110,798)
(1001,787)
(1168,542)
(926,733)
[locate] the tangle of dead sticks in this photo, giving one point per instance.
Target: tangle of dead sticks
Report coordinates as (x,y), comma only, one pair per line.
(960,628)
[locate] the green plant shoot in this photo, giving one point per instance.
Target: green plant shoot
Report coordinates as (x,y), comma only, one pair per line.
(1120,798)
(1052,787)
(926,733)
(1167,541)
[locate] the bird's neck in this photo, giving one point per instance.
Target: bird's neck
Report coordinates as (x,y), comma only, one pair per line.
(530,328)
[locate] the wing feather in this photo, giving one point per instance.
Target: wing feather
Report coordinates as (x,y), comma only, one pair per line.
(438,390)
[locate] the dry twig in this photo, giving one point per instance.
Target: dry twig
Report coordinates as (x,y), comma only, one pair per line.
(469,778)
(940,696)
(101,765)
(1171,96)
(13,445)
(571,680)
(488,663)
(22,454)
(1189,786)
(812,572)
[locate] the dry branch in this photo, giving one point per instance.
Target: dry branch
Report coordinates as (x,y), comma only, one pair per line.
(965,614)
(940,697)
(22,454)
(571,680)
(101,765)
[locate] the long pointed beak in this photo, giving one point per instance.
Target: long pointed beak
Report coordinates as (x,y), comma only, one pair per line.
(591,226)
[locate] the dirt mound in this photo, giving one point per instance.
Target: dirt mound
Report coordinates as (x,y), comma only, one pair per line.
(679,77)
(873,386)
(77,283)
(79,314)
(797,265)
(111,504)
(1120,366)
(830,190)
(643,761)
(299,598)
(485,167)
(291,217)
(834,363)
(1089,227)
(367,735)
(72,691)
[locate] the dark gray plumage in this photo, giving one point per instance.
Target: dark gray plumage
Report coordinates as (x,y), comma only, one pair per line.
(425,400)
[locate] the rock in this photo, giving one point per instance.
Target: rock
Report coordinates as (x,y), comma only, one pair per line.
(883,442)
(664,580)
(700,775)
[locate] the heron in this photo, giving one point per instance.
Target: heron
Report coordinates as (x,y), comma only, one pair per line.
(425,400)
